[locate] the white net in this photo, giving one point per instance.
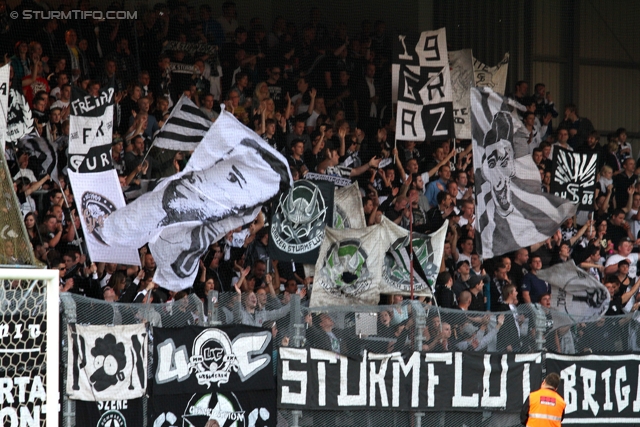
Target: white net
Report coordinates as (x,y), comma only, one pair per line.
(29,349)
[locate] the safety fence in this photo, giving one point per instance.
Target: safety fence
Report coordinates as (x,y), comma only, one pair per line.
(462,353)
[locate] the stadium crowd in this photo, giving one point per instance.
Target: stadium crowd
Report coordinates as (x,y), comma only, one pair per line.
(323,98)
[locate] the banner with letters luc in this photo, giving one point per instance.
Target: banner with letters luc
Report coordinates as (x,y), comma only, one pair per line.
(320,379)
(599,389)
(573,177)
(422,77)
(195,359)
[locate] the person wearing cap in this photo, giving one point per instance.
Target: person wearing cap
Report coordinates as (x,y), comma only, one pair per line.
(461,283)
(545,407)
(625,246)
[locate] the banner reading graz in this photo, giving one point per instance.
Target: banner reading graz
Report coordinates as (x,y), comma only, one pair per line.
(598,389)
(319,379)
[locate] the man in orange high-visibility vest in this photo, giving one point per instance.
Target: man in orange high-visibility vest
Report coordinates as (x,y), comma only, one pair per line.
(545,407)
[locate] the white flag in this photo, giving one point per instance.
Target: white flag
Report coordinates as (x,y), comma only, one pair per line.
(98,195)
(348,212)
(185,127)
(229,176)
(494,78)
(462,80)
(107,362)
(349,267)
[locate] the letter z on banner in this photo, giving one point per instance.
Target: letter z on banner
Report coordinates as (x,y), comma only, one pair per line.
(599,389)
(107,362)
(194,359)
(425,98)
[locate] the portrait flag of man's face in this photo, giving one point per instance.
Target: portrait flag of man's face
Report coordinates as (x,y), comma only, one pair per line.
(230,175)
(512,211)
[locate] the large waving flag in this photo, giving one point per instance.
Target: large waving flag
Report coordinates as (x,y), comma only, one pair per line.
(231,174)
(45,151)
(185,127)
(512,212)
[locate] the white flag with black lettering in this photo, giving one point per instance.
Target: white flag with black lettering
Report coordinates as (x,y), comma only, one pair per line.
(229,176)
(512,211)
(495,77)
(106,362)
(90,130)
(185,127)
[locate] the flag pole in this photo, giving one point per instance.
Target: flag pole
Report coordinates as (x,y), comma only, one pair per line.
(411,248)
(73,223)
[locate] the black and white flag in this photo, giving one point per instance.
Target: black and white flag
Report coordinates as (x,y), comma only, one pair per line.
(114,413)
(224,409)
(427,257)
(46,152)
(425,98)
(512,211)
(494,78)
(107,362)
(4,103)
(19,120)
(185,127)
(194,359)
(90,130)
(229,176)
(299,220)
(576,292)
(573,177)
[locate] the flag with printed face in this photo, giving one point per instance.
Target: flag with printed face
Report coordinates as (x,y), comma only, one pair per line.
(349,267)
(494,78)
(185,127)
(512,211)
(573,177)
(228,178)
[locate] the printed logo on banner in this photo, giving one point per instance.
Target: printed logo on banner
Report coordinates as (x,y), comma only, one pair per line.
(346,269)
(340,218)
(95,210)
(299,222)
(574,177)
(215,359)
(112,419)
(396,269)
(19,118)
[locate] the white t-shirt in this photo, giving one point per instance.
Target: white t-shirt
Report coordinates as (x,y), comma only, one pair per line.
(633,258)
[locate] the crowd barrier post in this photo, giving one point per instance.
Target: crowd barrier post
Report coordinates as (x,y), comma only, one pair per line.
(212,308)
(541,326)
(420,319)
(69,308)
(297,341)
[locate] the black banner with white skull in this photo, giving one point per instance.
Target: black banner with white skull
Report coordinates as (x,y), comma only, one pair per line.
(90,130)
(194,359)
(215,409)
(599,389)
(573,177)
(113,413)
(106,362)
(299,220)
(319,379)
(425,97)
